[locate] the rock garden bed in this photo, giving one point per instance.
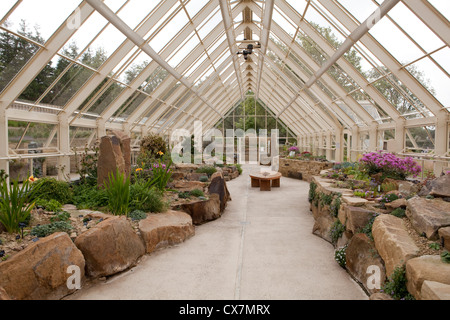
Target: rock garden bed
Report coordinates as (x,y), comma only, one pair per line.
(373,220)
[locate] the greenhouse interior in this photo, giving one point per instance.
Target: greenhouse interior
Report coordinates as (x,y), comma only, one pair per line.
(225,150)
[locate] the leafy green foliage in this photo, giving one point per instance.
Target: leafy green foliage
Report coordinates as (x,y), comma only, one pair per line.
(88,165)
(325,199)
(48,229)
(137,215)
(389,198)
(337,230)
(15,202)
(445,257)
(153,148)
(239,168)
(49,205)
(89,197)
(61,216)
(52,189)
(118,190)
(399,213)
(203,179)
(340,256)
(146,198)
(312,191)
(197,193)
(367,229)
(161,174)
(395,286)
(209,170)
(435,246)
(335,205)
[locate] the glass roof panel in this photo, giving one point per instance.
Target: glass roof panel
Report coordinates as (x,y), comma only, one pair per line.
(38,15)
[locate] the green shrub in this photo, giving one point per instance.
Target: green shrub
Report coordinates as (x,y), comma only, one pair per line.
(161,174)
(197,193)
(203,179)
(340,256)
(435,246)
(395,286)
(62,216)
(153,147)
(367,229)
(209,170)
(49,205)
(399,213)
(184,195)
(89,197)
(118,191)
(48,229)
(389,198)
(239,168)
(312,191)
(52,189)
(15,202)
(147,199)
(326,199)
(137,215)
(335,205)
(445,257)
(336,231)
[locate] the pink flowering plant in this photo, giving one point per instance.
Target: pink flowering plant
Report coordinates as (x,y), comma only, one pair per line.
(389,165)
(294,149)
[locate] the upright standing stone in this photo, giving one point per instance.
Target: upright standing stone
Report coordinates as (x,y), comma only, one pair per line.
(114,155)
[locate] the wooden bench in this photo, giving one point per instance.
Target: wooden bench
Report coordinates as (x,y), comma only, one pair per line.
(265,182)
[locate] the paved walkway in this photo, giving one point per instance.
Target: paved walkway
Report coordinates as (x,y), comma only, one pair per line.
(261,248)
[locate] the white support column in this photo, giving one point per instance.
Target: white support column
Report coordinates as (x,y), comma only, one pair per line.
(4,164)
(321,151)
(441,140)
(355,143)
(328,146)
(101,129)
(373,137)
(339,145)
(399,142)
(64,147)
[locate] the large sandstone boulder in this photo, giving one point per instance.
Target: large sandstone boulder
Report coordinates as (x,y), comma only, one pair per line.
(357,218)
(428,215)
(110,247)
(203,211)
(40,271)
(432,290)
(407,187)
(393,242)
(219,186)
(360,255)
(323,222)
(440,187)
(114,155)
(166,229)
(430,268)
(444,235)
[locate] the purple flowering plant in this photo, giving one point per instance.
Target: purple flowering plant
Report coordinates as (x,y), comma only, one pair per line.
(390,165)
(294,149)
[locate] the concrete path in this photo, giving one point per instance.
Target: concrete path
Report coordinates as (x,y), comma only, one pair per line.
(261,248)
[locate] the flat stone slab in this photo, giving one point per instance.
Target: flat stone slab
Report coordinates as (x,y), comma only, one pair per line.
(393,242)
(166,229)
(428,215)
(426,268)
(432,290)
(354,201)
